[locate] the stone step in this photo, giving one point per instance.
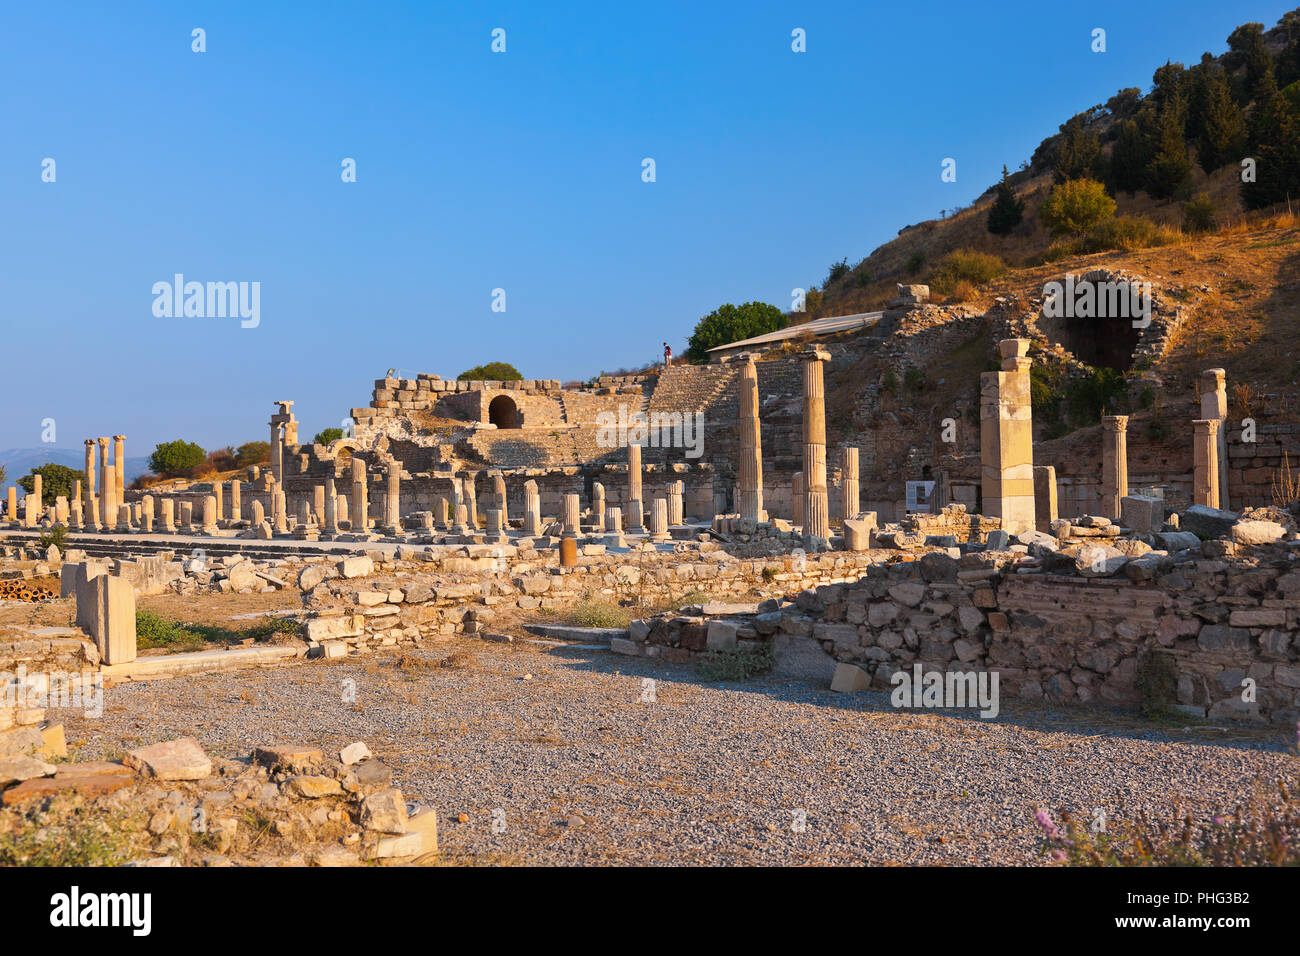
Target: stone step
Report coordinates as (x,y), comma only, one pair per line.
(173,665)
(589,635)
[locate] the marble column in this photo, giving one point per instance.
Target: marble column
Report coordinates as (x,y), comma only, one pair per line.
(659,520)
(359,503)
(1214,405)
(598,507)
(817,517)
(110,496)
(750,504)
(532,509)
(797,499)
(850,495)
(572,515)
(393,499)
(1114,464)
(209,514)
(119,462)
(499,498)
(168,515)
(91,488)
(1205,457)
(236,512)
(676,494)
(635,505)
(11,504)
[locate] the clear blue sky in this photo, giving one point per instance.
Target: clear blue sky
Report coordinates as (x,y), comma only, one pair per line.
(478,170)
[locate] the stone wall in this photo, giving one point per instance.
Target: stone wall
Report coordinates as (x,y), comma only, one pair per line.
(1209,624)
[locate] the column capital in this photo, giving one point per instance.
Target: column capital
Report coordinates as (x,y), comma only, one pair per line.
(1115,423)
(1206,426)
(815,354)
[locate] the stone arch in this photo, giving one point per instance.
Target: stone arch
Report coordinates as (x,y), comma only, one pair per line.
(503,412)
(343,448)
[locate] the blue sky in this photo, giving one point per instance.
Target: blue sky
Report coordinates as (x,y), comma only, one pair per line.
(478,170)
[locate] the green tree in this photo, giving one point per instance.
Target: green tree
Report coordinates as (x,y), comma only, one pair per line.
(1223,129)
(176,459)
(1170,163)
(838,271)
(1247,50)
(1074,207)
(252,453)
(1007,211)
(491,372)
(730,323)
(1274,134)
(328,435)
(55,480)
(1131,152)
(1078,155)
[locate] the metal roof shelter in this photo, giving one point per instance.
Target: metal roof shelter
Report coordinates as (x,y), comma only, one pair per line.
(827,326)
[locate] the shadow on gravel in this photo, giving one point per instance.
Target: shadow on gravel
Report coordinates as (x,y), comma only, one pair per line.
(1046,718)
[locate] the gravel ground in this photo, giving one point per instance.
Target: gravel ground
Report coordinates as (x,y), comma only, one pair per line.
(587,772)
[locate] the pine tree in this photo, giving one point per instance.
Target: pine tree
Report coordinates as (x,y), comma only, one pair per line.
(1170,163)
(1247,49)
(1274,138)
(1007,211)
(1223,133)
(1132,152)
(1079,154)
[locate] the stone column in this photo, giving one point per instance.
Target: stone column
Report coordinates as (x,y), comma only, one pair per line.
(850,496)
(817,516)
(532,509)
(635,506)
(440,513)
(499,498)
(11,508)
(218,492)
(572,515)
(471,499)
(110,496)
(750,504)
(659,520)
(1006,439)
(279,512)
(76,515)
(393,499)
(91,489)
(1044,497)
(277,449)
(186,517)
(598,506)
(1205,456)
(123,517)
(496,532)
(61,510)
(676,492)
(615,523)
(303,523)
(258,514)
(146,514)
(331,507)
(1114,464)
(210,514)
(461,520)
(359,504)
(797,499)
(236,511)
(169,516)
(119,462)
(1214,405)
(38,490)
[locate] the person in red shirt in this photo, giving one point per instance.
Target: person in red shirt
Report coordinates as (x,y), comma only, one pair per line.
(668,354)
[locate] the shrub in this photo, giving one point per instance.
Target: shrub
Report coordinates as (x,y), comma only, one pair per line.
(914,379)
(55,480)
(1074,207)
(965,265)
(1126,234)
(223,459)
(176,459)
(1199,214)
(735,664)
(596,614)
(491,372)
(915,262)
(837,271)
(57,536)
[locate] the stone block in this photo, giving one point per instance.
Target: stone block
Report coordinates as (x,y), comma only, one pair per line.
(110,605)
(1207,522)
(1143,514)
(181,759)
(849,678)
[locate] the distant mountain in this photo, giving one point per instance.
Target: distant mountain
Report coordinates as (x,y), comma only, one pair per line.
(19,462)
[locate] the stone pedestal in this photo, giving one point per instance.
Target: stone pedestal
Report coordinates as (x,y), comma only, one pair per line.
(107,605)
(1006,440)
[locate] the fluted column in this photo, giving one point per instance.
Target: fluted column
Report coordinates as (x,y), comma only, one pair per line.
(1114,464)
(817,518)
(751,446)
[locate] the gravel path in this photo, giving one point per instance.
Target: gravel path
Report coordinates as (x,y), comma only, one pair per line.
(587,772)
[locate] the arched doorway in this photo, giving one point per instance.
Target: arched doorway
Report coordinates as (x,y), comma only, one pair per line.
(503,413)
